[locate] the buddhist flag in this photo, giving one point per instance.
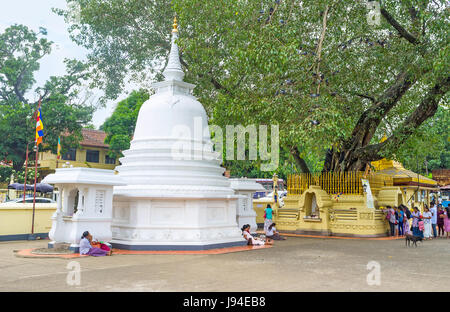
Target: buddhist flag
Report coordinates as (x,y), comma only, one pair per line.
(59,149)
(39,126)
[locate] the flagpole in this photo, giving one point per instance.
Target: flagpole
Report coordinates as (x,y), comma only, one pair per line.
(26,169)
(35,173)
(58,151)
(34,194)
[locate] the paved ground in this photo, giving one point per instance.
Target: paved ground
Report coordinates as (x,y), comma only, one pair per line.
(297,264)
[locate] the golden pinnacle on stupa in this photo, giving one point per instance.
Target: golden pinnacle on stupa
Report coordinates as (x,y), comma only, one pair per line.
(175,25)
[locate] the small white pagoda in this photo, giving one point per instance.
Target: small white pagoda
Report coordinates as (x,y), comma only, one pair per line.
(245,213)
(84,204)
(176,197)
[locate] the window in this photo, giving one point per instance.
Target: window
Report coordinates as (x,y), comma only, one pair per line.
(92,156)
(37,201)
(99,201)
(109,160)
(70,155)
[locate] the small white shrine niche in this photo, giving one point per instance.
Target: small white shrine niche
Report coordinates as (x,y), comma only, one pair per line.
(84,204)
(245,214)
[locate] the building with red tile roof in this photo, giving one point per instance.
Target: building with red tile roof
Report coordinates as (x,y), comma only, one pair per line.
(92,153)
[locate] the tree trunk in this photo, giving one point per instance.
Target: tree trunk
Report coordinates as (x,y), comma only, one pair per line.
(300,162)
(354,153)
(18,165)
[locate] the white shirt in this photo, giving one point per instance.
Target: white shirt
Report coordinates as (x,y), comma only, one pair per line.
(392,215)
(85,246)
(426,215)
(433,211)
(270,231)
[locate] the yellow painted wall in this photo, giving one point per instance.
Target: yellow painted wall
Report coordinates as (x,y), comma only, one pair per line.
(347,215)
(47,160)
(16,218)
(259,205)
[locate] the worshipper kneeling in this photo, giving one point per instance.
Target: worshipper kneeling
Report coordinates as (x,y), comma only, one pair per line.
(250,239)
(87,249)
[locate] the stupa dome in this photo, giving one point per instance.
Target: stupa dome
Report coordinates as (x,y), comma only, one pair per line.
(171,152)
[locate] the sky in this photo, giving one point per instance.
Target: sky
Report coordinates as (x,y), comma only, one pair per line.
(38,13)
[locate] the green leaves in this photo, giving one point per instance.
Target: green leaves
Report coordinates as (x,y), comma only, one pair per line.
(122,37)
(240,59)
(120,126)
(62,112)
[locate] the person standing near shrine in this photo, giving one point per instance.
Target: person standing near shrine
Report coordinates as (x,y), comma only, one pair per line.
(427,222)
(415,222)
(400,219)
(390,216)
(447,220)
(440,220)
(268,215)
(406,217)
(433,211)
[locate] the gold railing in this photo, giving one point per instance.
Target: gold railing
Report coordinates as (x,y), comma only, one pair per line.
(337,182)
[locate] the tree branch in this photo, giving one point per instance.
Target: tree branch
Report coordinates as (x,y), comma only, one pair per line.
(402,31)
(215,83)
(426,109)
(366,96)
(370,118)
(319,46)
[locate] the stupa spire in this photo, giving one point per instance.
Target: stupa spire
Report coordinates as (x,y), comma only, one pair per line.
(173,69)
(175,25)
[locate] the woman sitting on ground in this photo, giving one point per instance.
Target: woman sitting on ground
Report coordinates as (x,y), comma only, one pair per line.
(87,249)
(249,238)
(272,234)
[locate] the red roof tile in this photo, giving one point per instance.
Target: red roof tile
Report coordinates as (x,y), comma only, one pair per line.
(94,138)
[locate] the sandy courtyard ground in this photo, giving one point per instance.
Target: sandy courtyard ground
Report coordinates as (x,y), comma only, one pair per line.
(297,264)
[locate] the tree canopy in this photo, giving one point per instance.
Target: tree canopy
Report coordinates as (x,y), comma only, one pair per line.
(334,82)
(21,49)
(120,125)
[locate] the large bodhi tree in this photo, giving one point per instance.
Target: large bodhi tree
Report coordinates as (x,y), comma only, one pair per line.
(21,49)
(331,78)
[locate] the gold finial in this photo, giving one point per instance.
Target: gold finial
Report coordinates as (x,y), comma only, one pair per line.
(175,25)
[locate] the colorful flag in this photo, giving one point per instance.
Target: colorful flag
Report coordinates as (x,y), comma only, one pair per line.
(39,126)
(59,149)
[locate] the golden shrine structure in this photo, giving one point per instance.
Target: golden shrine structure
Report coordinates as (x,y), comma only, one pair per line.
(347,203)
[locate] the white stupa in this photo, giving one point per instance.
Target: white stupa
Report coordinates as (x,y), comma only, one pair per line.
(176,197)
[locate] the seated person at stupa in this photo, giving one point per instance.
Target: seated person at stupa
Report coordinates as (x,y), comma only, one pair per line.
(272,234)
(87,249)
(250,239)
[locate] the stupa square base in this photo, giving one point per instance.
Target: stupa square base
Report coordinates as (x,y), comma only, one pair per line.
(187,247)
(175,223)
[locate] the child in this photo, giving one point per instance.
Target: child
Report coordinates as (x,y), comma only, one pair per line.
(421,226)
